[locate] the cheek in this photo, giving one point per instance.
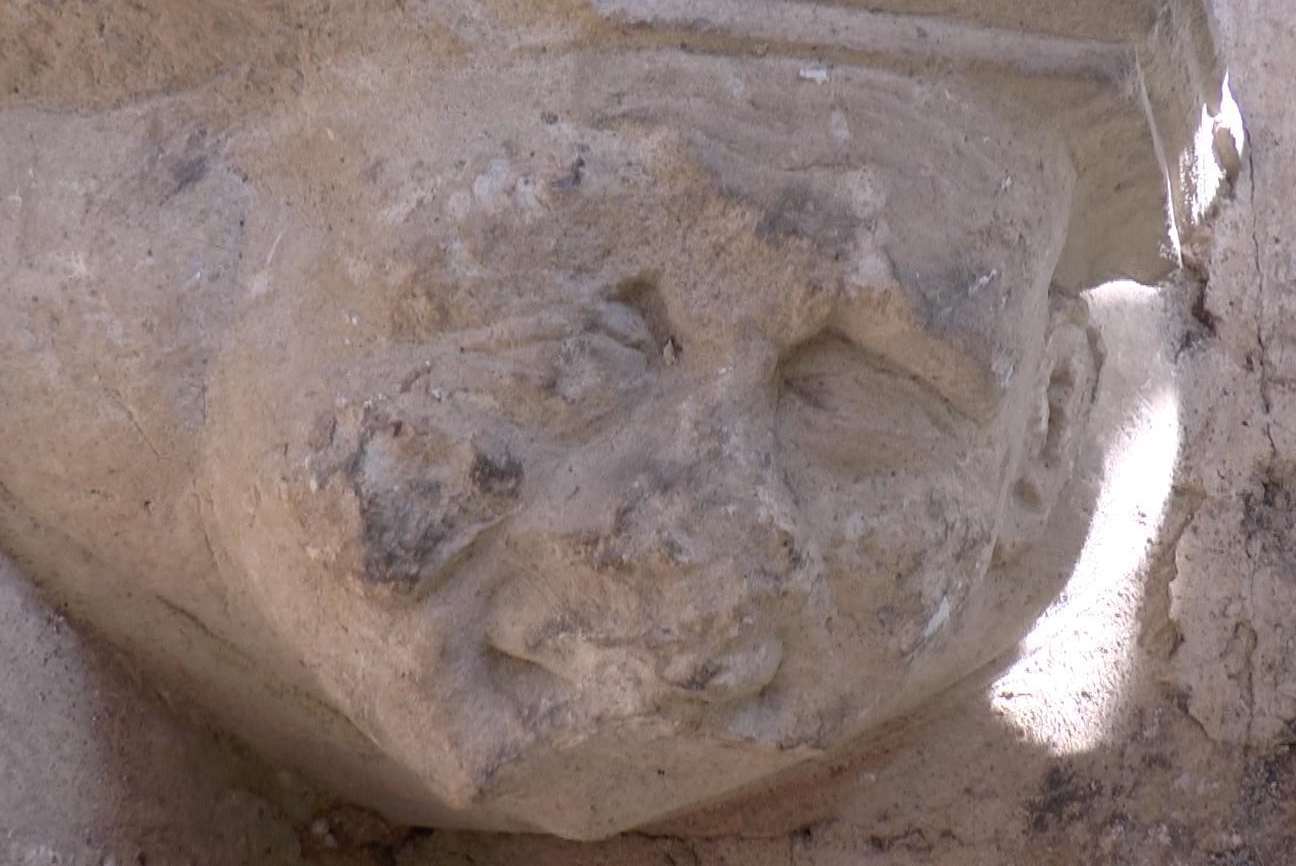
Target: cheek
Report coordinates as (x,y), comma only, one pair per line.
(405,493)
(904,553)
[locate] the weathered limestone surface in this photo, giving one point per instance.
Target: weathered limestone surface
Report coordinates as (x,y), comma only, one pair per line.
(565,419)
(95,769)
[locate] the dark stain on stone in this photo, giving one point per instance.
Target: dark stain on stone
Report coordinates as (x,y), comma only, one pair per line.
(413,524)
(799,212)
(1064,798)
(403,530)
(574,176)
(403,525)
(1269,514)
(496,476)
(187,172)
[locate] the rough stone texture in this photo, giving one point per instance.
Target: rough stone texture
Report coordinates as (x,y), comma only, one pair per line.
(1148,720)
(96,769)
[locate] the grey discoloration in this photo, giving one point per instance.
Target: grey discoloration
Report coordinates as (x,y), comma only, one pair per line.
(494,476)
(402,532)
(800,212)
(187,172)
(416,514)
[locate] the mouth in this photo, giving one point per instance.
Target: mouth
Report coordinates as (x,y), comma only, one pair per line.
(643,651)
(731,675)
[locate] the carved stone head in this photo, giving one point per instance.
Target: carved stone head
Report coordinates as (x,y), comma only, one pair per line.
(687,448)
(558,440)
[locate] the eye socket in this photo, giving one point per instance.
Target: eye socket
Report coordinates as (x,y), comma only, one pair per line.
(561,372)
(594,370)
(844,407)
(626,324)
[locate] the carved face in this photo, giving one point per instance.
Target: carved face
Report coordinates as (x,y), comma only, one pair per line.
(670,443)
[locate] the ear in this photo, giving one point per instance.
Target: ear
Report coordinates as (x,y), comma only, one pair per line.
(1057,418)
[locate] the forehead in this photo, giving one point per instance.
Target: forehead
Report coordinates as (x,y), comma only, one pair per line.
(751,190)
(940,217)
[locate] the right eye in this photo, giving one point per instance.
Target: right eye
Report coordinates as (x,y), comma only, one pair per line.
(842,407)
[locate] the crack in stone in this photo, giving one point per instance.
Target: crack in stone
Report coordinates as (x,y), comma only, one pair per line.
(1267,405)
(120,402)
(1265,398)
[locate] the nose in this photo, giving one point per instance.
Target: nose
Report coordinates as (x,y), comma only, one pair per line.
(692,479)
(670,553)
